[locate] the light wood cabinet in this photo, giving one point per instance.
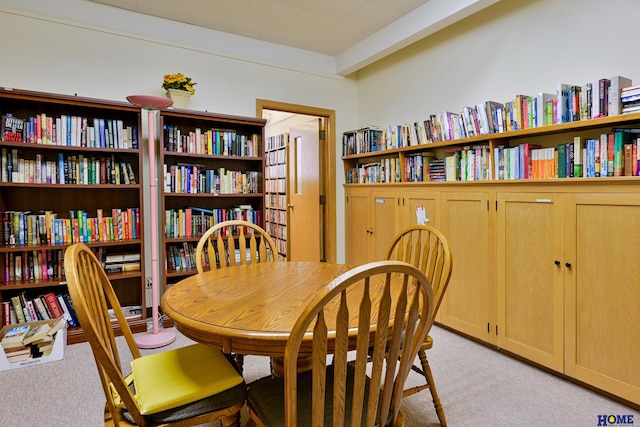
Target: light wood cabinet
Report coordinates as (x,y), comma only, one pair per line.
(531,265)
(545,269)
(468,302)
(374,217)
(371,224)
(602,310)
(411,200)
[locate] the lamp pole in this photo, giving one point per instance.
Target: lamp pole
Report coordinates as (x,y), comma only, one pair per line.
(156,337)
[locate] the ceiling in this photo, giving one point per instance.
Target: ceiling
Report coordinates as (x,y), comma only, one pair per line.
(324,26)
(355,32)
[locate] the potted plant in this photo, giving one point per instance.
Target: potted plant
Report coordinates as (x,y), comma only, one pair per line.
(179,89)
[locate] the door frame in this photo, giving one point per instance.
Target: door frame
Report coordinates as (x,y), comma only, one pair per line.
(328,178)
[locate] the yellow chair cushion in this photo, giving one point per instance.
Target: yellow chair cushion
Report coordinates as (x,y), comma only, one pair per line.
(173,378)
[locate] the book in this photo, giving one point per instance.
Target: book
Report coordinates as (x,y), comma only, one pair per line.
(36,334)
(40,307)
(17,306)
(578,145)
(564,110)
(541,100)
(614,101)
(19,355)
(71,320)
(122,267)
(54,307)
(562,161)
(72,311)
(120,258)
(12,128)
(60,323)
(15,335)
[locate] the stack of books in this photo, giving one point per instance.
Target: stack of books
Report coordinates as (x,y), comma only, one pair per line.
(25,341)
(630,99)
(121,263)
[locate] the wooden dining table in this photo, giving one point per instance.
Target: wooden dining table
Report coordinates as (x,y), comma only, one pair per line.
(248,309)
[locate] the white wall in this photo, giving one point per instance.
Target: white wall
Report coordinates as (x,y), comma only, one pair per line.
(47,53)
(511,47)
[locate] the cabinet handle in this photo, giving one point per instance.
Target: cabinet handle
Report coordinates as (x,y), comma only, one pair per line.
(557,262)
(568,265)
(290,205)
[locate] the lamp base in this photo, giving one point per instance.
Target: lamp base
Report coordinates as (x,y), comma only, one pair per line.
(160,339)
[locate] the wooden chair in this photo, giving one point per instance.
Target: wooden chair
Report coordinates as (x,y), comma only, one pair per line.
(182,387)
(225,245)
(426,248)
(342,393)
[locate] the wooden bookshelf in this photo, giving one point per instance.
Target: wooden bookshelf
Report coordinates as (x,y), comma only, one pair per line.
(206,200)
(543,268)
(63,173)
(276,195)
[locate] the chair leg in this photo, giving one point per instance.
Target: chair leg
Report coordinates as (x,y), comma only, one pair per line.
(231,421)
(432,387)
(240,361)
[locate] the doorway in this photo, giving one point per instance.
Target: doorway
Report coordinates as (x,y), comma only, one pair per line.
(322,235)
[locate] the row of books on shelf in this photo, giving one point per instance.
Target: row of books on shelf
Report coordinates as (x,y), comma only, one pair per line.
(181,257)
(610,154)
(275,142)
(276,157)
(33,265)
(213,142)
(275,171)
(66,169)
(276,230)
(46,228)
(68,130)
(276,201)
(276,216)
(194,221)
(195,179)
(31,340)
(277,185)
(43,265)
(569,103)
(23,308)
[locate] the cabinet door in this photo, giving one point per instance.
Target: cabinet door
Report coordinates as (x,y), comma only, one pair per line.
(356,225)
(467,302)
(383,217)
(603,292)
(530,276)
(410,201)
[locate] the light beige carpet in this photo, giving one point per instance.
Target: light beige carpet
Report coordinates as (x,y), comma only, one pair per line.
(478,387)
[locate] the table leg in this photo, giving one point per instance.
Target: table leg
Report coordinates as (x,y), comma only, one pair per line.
(277,365)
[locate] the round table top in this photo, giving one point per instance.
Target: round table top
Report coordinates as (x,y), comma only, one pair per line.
(246,309)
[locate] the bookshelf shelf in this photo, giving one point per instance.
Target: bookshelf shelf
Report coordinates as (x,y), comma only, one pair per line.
(77,156)
(546,136)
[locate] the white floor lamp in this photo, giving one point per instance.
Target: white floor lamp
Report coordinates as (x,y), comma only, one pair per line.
(155,338)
